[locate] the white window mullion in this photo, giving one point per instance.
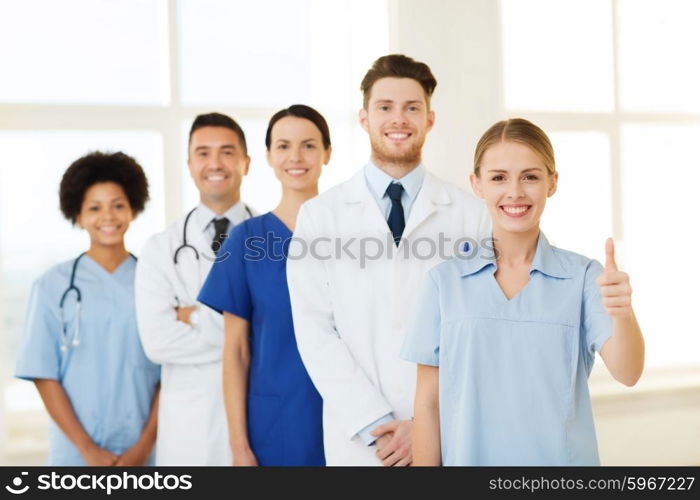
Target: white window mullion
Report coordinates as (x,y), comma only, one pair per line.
(173,157)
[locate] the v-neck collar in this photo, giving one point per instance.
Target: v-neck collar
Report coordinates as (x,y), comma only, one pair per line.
(279,222)
(118,270)
(544,262)
(502,294)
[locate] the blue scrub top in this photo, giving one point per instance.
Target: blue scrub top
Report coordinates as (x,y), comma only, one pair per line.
(513,373)
(108,379)
(249,280)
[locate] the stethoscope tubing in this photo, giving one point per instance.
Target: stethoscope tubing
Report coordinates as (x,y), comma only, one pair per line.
(184,235)
(75,340)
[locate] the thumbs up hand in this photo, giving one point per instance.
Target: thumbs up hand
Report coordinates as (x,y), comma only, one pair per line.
(614,285)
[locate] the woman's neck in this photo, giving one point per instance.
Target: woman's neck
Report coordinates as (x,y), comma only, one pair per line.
(291,202)
(108,257)
(514,249)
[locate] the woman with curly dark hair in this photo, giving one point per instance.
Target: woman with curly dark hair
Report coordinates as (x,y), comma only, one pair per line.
(81,346)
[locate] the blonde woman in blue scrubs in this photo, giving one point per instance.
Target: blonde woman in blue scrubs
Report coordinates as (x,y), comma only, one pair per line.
(505,336)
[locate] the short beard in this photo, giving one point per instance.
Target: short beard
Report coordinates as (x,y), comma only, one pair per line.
(409,158)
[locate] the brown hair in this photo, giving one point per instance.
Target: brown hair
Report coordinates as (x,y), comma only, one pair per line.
(305,112)
(516,130)
(219,120)
(398,66)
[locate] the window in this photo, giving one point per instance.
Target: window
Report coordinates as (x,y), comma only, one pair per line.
(613,83)
(558,55)
(131,75)
(84,52)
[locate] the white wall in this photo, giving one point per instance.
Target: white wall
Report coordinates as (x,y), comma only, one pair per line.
(457,39)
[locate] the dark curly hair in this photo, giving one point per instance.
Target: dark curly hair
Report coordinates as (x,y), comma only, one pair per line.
(97,167)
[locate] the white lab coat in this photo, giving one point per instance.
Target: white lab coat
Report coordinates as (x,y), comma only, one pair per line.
(192,428)
(350,322)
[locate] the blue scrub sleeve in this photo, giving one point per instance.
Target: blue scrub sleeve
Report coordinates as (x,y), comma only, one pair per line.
(422,342)
(226,287)
(597,324)
(39,354)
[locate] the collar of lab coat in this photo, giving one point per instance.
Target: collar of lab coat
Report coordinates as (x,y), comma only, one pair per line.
(378,181)
(204,215)
(431,194)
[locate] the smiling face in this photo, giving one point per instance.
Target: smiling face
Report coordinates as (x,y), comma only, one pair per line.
(397,119)
(297,154)
(105,214)
(515,185)
(217,163)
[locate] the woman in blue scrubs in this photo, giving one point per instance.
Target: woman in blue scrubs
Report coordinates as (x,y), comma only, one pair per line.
(506,335)
(273,408)
(81,345)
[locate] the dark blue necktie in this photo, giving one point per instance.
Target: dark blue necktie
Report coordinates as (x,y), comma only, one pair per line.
(396,221)
(220,233)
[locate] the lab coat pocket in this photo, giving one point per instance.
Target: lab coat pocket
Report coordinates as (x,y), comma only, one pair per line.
(265,428)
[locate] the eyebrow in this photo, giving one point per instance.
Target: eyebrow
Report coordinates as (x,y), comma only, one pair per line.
(225,146)
(500,171)
(390,101)
(118,198)
(305,140)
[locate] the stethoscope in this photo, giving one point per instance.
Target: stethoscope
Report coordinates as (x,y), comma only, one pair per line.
(184,235)
(75,340)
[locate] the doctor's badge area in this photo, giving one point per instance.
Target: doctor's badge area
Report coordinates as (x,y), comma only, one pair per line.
(18,485)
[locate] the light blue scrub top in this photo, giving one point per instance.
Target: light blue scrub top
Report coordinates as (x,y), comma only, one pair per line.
(513,373)
(108,378)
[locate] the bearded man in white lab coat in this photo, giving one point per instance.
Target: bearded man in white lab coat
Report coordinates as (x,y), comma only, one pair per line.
(359,254)
(176,332)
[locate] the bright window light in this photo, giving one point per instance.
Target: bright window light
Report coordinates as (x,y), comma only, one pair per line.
(659,69)
(274,53)
(84,52)
(661,174)
(557,55)
(33,164)
(578,215)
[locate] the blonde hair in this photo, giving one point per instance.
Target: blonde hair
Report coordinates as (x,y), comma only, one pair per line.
(516,130)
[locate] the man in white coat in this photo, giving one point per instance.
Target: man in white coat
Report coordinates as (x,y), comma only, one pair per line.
(187,339)
(359,254)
